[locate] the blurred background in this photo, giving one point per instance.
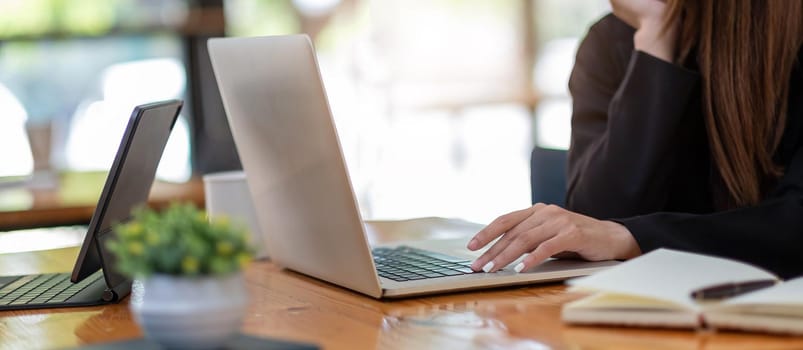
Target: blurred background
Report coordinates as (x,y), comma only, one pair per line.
(438,103)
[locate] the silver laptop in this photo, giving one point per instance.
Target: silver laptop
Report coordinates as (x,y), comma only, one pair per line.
(285,136)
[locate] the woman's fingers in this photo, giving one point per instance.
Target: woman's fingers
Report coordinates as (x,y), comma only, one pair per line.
(482,263)
(622,11)
(518,246)
(519,235)
(498,227)
(636,12)
(539,214)
(522,238)
(545,250)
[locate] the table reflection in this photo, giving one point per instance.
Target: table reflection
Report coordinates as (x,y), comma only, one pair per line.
(450,327)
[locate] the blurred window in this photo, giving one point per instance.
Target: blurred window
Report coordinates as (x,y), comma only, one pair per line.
(561,24)
(70,74)
(83,91)
(434,99)
(15,159)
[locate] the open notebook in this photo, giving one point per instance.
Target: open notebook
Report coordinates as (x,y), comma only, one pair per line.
(656,290)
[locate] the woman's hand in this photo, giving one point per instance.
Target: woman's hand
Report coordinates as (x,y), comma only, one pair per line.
(547,230)
(638,13)
(649,19)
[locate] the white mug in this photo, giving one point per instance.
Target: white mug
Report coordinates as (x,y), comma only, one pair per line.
(227,194)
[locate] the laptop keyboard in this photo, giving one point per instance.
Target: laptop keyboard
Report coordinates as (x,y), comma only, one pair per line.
(407,263)
(48,288)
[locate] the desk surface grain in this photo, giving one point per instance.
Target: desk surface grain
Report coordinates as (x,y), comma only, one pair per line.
(291,306)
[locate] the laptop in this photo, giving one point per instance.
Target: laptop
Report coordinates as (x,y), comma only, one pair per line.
(284,133)
(94,280)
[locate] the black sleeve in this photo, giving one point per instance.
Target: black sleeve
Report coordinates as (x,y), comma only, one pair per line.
(625,142)
(624,129)
(769,235)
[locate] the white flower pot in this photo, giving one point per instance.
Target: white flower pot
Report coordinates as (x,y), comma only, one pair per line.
(189,312)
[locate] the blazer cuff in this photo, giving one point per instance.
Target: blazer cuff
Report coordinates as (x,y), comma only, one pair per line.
(642,233)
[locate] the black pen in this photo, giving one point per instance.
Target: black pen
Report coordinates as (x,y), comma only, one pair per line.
(732,289)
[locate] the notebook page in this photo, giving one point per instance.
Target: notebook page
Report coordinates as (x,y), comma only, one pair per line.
(789,293)
(669,275)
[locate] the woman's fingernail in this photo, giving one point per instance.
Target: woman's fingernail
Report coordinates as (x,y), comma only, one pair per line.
(519,267)
(472,243)
(488,266)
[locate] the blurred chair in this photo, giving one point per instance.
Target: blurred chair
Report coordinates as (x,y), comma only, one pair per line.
(548,175)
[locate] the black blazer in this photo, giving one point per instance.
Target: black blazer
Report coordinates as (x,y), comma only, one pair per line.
(639,156)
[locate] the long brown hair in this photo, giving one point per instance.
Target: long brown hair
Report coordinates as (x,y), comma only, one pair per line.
(745,50)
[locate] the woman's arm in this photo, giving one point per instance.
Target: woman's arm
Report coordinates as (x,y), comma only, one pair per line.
(627,131)
(769,235)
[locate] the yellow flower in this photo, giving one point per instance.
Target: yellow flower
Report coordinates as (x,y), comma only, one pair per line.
(133,230)
(243,259)
(189,264)
(224,248)
(136,248)
(152,238)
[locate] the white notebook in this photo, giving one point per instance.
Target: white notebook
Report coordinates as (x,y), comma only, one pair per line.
(656,290)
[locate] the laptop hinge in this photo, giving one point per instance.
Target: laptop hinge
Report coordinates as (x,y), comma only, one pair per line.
(117,293)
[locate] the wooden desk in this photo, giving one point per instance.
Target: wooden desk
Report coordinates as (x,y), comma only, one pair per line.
(290,306)
(48,208)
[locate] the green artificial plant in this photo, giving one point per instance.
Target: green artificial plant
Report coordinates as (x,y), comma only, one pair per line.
(179,241)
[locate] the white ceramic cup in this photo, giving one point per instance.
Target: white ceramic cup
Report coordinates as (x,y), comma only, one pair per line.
(227,195)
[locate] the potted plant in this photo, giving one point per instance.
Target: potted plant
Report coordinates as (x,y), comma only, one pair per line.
(188,290)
